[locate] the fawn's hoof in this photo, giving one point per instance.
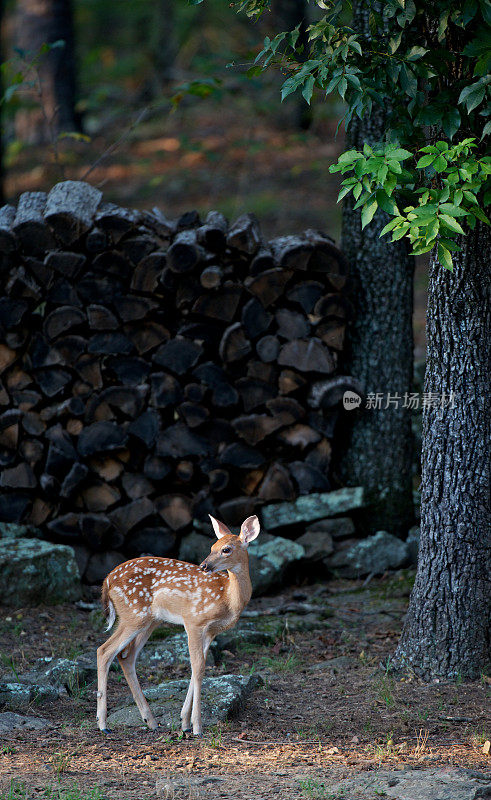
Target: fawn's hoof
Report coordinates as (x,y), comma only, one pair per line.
(106,730)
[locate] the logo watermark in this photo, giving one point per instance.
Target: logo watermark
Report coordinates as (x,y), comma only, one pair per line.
(412,400)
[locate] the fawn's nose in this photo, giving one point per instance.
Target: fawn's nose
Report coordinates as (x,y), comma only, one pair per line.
(204,566)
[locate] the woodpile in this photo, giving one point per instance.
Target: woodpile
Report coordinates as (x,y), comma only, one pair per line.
(153,371)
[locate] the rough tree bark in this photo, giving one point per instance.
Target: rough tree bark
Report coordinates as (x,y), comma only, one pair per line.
(377,451)
(39,22)
(447,629)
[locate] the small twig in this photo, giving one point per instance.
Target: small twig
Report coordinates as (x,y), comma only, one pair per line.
(114,146)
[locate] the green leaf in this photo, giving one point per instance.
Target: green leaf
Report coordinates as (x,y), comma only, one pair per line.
(479,213)
(400,154)
(400,232)
(472,95)
(367,213)
(444,257)
(386,203)
(425,161)
(451,223)
(415,53)
(357,191)
(308,89)
(440,164)
(343,85)
(390,226)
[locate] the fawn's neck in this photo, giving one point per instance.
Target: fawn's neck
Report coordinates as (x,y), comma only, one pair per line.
(239,588)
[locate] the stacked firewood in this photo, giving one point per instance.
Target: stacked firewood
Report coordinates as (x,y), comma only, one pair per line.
(153,371)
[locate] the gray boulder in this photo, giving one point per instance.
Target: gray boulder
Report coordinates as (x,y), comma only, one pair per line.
(12,722)
(245,633)
(270,558)
(173,650)
(412,542)
(18,696)
(313,506)
(223,697)
(10,530)
(450,783)
(317,545)
(375,554)
(33,571)
(337,528)
(64,672)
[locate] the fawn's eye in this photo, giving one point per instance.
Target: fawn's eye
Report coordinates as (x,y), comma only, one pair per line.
(226,550)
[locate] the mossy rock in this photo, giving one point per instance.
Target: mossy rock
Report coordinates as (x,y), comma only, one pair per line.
(33,571)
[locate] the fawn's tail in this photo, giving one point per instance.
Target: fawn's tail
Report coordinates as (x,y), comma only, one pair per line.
(108,609)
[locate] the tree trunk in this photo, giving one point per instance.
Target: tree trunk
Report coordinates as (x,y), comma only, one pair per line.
(447,628)
(2,176)
(41,22)
(377,452)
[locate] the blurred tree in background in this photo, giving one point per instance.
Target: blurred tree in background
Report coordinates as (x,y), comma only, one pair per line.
(50,109)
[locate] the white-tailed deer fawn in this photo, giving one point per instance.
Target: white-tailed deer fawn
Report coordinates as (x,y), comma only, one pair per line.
(144,592)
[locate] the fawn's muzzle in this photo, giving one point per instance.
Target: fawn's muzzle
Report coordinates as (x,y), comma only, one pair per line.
(204,567)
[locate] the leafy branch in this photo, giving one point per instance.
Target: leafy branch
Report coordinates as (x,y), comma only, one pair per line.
(445,189)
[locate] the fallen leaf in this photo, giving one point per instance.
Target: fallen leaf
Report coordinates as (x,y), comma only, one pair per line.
(486,747)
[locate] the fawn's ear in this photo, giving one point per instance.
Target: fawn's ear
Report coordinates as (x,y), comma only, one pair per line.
(219,528)
(249,530)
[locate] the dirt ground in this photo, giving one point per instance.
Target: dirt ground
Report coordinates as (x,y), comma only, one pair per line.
(313,721)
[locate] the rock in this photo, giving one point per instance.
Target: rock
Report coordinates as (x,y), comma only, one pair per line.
(17,696)
(244,633)
(101,564)
(313,506)
(186,786)
(338,528)
(70,674)
(173,650)
(270,558)
(412,542)
(317,545)
(223,697)
(12,722)
(450,783)
(33,571)
(10,530)
(339,664)
(195,547)
(375,554)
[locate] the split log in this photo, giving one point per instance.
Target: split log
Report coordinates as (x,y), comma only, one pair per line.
(244,234)
(101,318)
(307,355)
(328,393)
(61,320)
(254,393)
(29,224)
(262,261)
(176,510)
(306,294)
(179,355)
(255,427)
(268,286)
(255,319)
(220,304)
(213,234)
(291,324)
(299,435)
(268,348)
(277,484)
(70,209)
(66,263)
(234,345)
(8,241)
(292,252)
(290,381)
(146,275)
(185,253)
